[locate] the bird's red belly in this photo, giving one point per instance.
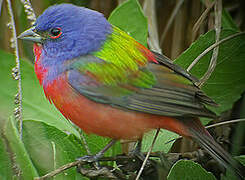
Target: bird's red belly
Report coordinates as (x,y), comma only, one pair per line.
(102,119)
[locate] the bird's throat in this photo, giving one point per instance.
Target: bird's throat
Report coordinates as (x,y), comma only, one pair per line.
(37,49)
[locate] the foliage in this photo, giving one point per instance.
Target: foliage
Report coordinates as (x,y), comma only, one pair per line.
(184,168)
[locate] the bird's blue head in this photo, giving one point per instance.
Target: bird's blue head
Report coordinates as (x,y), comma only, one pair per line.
(67,31)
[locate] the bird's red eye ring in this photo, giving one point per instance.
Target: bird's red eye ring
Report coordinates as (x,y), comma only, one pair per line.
(55,33)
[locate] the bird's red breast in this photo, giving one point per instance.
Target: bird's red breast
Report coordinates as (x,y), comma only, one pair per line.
(102,119)
(39,70)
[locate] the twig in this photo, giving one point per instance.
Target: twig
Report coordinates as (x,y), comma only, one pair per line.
(212,47)
(16,70)
(217,26)
(149,8)
(200,20)
(29,11)
(59,170)
(171,19)
(147,156)
(225,123)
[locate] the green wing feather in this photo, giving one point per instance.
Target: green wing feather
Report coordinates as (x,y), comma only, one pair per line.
(120,75)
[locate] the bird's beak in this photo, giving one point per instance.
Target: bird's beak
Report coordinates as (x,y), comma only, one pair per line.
(30,35)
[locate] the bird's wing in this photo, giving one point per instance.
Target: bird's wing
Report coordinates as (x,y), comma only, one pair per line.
(151,88)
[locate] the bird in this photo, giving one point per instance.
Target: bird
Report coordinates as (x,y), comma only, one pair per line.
(108,84)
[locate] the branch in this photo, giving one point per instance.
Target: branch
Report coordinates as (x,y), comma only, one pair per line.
(200,20)
(16,70)
(217,26)
(225,123)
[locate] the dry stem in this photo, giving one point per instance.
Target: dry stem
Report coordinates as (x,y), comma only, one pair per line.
(147,156)
(59,170)
(171,19)
(149,8)
(16,70)
(200,20)
(217,26)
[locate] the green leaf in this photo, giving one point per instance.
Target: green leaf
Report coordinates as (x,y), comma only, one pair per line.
(227,21)
(227,82)
(163,143)
(130,18)
(35,105)
(49,148)
(28,171)
(5,165)
(189,170)
(230,174)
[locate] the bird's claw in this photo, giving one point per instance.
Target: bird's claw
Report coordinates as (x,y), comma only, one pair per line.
(89,158)
(96,173)
(137,153)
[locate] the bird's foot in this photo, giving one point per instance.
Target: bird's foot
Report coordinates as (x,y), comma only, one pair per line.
(137,154)
(93,172)
(90,158)
(94,159)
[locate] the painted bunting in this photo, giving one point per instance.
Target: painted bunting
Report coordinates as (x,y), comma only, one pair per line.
(108,84)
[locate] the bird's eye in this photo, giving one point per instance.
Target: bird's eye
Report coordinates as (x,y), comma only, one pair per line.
(55,33)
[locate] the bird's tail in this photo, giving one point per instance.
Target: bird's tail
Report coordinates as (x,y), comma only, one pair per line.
(199,134)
